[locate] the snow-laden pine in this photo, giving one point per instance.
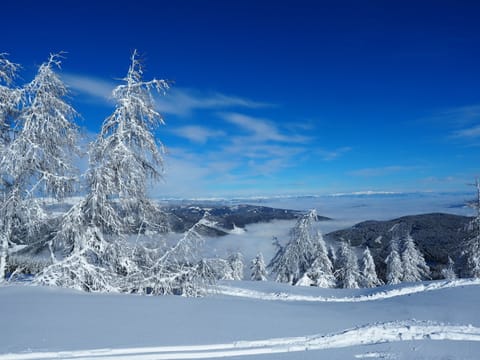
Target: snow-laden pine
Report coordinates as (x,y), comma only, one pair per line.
(37,161)
(235,260)
(126,155)
(177,270)
(294,259)
(257,268)
(449,271)
(9,102)
(320,273)
(346,268)
(413,263)
(472,244)
(122,159)
(9,98)
(368,270)
(393,261)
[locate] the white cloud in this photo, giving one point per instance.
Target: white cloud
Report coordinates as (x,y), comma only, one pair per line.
(182,102)
(458,116)
(197,134)
(91,86)
(176,101)
(262,129)
(468,133)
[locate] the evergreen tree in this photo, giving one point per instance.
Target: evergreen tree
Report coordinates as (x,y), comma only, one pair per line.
(413,263)
(176,270)
(38,160)
(369,274)
(236,264)
(347,272)
(472,245)
(258,270)
(9,100)
(123,157)
(294,259)
(394,264)
(320,272)
(449,272)
(332,254)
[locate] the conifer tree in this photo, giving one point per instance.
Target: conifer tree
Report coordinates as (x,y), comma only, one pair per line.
(449,271)
(472,245)
(347,272)
(236,264)
(38,160)
(394,273)
(320,272)
(9,101)
(258,270)
(368,271)
(122,159)
(294,259)
(413,263)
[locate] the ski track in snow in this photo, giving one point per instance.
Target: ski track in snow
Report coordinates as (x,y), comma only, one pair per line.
(366,335)
(379,295)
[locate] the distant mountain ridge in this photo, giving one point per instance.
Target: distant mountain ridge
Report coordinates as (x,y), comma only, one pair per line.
(227,218)
(437,235)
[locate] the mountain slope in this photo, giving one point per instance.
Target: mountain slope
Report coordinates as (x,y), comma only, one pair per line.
(437,235)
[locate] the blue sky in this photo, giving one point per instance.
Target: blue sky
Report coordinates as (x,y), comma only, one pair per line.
(283,97)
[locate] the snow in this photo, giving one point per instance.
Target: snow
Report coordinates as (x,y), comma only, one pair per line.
(366,335)
(379,293)
(245,319)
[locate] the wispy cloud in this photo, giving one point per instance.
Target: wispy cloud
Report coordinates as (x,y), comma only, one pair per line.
(176,101)
(468,133)
(456,116)
(183,102)
(262,129)
(382,171)
(461,124)
(92,86)
(197,134)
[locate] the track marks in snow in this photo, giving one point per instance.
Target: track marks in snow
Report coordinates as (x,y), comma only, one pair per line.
(366,335)
(378,295)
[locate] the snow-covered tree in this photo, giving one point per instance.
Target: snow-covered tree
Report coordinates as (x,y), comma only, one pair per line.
(294,259)
(393,261)
(449,272)
(258,270)
(413,262)
(236,264)
(178,270)
(9,99)
(347,272)
(320,272)
(37,160)
(369,273)
(472,245)
(332,255)
(122,159)
(126,154)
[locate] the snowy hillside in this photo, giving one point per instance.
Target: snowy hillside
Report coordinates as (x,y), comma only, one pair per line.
(251,320)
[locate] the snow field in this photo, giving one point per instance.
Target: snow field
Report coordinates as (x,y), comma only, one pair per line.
(252,320)
(376,295)
(366,335)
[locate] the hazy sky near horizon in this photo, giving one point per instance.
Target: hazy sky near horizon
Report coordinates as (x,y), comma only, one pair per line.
(278,97)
